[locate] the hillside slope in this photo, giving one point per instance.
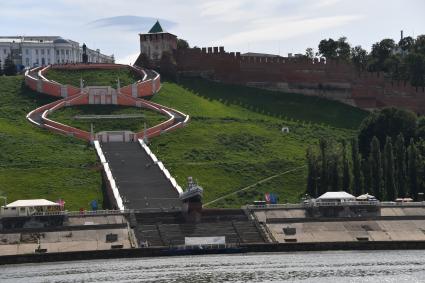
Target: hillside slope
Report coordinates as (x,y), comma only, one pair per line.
(229,145)
(35,163)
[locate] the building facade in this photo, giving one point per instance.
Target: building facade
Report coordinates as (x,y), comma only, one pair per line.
(157,41)
(34,51)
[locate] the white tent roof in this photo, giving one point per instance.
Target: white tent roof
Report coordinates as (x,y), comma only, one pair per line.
(32,202)
(336,195)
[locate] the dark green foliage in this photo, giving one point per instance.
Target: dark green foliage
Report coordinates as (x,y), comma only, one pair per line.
(359,57)
(356,159)
(312,173)
(388,122)
(346,175)
(389,181)
(413,166)
(9,68)
(324,181)
(376,168)
(400,166)
(367,177)
(182,44)
(334,177)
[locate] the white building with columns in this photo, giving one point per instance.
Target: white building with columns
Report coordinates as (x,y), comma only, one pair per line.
(33,51)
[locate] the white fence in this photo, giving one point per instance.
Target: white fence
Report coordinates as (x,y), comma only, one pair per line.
(109,176)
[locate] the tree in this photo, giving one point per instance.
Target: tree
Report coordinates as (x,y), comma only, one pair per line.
(356,158)
(420,129)
(389,182)
(343,49)
(309,53)
(328,48)
(367,178)
(312,173)
(406,43)
(324,166)
(412,162)
(400,165)
(182,44)
(376,168)
(346,177)
(380,52)
(359,57)
(420,44)
(1,69)
(388,122)
(415,64)
(334,173)
(9,67)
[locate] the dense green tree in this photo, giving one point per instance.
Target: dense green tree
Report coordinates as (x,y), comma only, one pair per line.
(416,68)
(359,57)
(376,168)
(1,69)
(381,51)
(9,68)
(400,165)
(346,175)
(419,46)
(356,159)
(309,53)
(328,48)
(367,178)
(343,49)
(413,165)
(420,129)
(388,122)
(389,181)
(406,43)
(324,166)
(312,173)
(182,44)
(334,173)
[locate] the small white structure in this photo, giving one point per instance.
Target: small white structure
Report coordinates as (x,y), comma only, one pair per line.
(285,130)
(366,197)
(336,197)
(29,207)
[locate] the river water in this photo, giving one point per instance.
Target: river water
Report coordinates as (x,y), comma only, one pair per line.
(335,266)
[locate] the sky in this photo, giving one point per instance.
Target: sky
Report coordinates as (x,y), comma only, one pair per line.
(266,26)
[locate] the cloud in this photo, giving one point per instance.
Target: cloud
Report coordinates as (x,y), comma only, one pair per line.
(130,23)
(285,28)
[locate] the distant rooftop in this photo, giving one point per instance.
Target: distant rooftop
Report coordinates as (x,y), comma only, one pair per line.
(32,203)
(336,195)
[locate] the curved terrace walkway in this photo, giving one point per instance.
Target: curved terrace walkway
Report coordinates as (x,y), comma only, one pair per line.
(136,179)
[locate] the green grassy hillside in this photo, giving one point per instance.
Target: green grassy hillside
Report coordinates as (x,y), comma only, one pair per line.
(93,77)
(229,144)
(67,116)
(35,163)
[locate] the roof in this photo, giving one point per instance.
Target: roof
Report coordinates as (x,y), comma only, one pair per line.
(60,40)
(157,28)
(336,195)
(32,202)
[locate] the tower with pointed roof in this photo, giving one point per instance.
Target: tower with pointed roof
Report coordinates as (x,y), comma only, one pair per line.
(156,42)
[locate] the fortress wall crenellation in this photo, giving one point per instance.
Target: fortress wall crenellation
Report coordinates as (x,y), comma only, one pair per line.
(317,74)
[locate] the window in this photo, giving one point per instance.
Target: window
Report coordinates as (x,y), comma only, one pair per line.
(57,53)
(42,51)
(67,52)
(36,52)
(4,51)
(27,62)
(62,52)
(48,51)
(26,51)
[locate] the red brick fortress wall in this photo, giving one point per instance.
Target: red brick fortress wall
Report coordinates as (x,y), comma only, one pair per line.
(332,79)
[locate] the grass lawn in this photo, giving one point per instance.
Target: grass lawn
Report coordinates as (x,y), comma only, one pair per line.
(35,163)
(229,144)
(67,116)
(93,77)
